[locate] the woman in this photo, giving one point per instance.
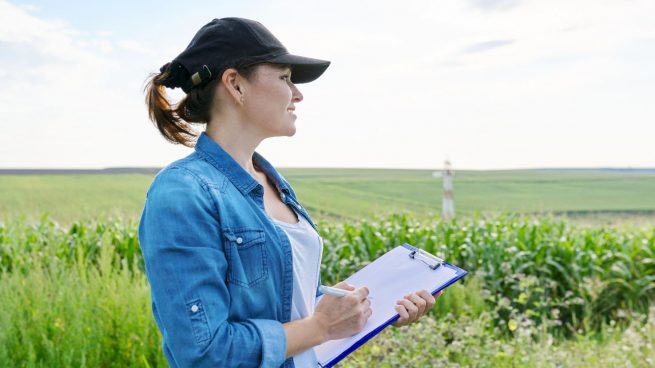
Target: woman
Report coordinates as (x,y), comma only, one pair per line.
(231,256)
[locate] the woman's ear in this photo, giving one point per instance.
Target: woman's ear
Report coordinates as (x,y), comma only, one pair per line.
(234,84)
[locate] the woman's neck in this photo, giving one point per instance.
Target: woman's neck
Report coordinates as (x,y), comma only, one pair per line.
(238,142)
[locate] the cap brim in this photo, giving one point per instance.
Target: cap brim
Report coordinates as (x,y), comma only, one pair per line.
(304,69)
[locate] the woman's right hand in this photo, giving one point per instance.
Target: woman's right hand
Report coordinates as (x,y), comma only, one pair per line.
(344,316)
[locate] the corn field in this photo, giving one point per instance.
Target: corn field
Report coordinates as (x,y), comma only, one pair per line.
(78,296)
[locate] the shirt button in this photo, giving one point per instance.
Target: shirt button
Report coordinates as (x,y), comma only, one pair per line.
(282,196)
(194,308)
(239,240)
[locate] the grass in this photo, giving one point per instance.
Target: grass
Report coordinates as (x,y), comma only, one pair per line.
(68,198)
(389,191)
(466,342)
(347,194)
(541,292)
(61,314)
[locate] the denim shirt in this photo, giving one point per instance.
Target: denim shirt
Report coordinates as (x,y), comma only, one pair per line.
(220,270)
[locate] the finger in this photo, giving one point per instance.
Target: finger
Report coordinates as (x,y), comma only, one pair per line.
(429,299)
(419,302)
(362,293)
(344,285)
(402,311)
(412,310)
(404,316)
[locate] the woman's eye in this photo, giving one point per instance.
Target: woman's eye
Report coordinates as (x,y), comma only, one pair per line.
(286,77)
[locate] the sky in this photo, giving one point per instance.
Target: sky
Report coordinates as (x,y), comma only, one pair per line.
(487,84)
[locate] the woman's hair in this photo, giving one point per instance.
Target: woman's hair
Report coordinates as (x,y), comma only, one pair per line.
(174,120)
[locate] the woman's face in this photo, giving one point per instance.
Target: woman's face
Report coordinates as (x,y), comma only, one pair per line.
(270,99)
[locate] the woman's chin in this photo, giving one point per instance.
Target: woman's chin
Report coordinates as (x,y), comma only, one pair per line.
(292,131)
(289,132)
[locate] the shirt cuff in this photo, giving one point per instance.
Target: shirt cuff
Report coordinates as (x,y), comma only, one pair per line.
(274,342)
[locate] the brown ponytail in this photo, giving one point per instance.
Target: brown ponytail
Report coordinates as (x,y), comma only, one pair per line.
(174,121)
(171,120)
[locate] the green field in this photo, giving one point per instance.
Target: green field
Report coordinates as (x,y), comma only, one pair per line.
(346,194)
(541,291)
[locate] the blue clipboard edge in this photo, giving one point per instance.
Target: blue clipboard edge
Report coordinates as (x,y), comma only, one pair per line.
(460,273)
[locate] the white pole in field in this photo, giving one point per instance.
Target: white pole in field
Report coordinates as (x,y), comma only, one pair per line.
(448,211)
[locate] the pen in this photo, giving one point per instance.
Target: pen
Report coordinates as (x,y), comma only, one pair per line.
(332,291)
(328,290)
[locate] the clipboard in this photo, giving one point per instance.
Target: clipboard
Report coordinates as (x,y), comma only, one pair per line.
(400,271)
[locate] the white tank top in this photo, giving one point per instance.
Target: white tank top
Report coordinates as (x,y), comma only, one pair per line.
(307,249)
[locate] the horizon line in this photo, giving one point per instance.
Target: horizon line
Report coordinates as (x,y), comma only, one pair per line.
(137,169)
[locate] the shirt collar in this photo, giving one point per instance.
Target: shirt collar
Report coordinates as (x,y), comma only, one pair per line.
(269,170)
(241,179)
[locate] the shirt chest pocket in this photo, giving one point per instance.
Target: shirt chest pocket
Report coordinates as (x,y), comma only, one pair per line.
(246,256)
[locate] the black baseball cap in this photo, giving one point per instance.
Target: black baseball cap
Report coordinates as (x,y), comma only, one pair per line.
(234,42)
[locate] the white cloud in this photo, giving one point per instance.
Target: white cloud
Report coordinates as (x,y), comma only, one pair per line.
(487,45)
(552,85)
(30,7)
(416,96)
(494,4)
(134,46)
(67,102)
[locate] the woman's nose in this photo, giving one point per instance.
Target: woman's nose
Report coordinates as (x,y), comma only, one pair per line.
(296,95)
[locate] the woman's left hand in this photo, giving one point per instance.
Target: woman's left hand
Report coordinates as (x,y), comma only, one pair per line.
(414,306)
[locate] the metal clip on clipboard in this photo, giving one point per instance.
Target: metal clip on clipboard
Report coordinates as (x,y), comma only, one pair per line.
(432,261)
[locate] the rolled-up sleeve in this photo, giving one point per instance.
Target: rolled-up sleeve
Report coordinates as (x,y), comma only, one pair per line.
(180,238)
